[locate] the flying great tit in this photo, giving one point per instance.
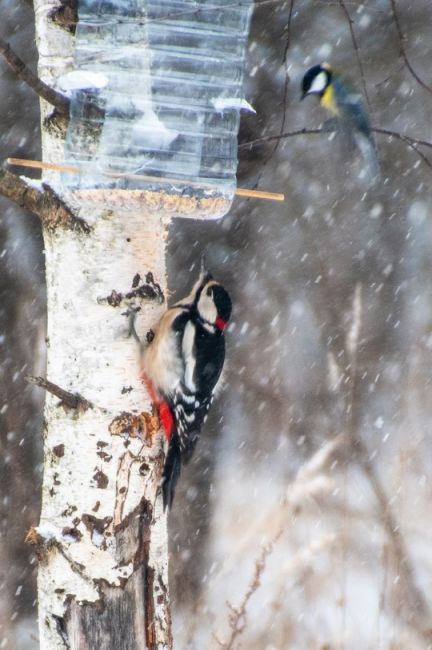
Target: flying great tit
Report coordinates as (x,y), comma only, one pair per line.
(339,97)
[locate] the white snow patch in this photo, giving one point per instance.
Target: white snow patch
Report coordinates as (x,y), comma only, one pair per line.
(48,531)
(97,538)
(365,21)
(36,183)
(376,211)
(152,132)
(418,212)
(81,80)
(325,51)
(221,103)
(404,89)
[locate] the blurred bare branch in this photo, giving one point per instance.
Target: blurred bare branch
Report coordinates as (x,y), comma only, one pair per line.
(287,77)
(411,142)
(403,51)
(24,73)
(356,49)
(417,609)
(285,94)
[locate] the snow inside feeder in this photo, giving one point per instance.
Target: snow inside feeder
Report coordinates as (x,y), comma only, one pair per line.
(155,99)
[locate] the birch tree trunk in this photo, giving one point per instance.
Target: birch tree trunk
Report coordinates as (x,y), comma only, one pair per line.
(102,539)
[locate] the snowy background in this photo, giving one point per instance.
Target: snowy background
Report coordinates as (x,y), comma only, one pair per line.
(315,467)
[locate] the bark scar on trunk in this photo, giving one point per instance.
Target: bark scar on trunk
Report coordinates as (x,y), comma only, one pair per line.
(61,629)
(66,15)
(147,290)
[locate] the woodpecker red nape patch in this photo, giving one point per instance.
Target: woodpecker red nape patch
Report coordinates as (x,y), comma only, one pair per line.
(220,323)
(166,418)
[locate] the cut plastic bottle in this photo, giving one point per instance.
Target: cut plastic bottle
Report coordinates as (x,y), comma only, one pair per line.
(164,111)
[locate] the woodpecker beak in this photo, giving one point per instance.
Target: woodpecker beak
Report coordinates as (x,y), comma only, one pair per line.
(304,94)
(220,323)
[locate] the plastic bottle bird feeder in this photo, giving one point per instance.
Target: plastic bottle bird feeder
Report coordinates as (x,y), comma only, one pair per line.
(157,118)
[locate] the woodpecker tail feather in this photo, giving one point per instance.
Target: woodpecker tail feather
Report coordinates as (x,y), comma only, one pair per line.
(171,473)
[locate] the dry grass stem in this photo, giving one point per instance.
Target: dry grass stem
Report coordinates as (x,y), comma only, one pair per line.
(237,615)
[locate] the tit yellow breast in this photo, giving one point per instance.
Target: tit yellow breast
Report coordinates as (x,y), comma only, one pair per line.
(329,102)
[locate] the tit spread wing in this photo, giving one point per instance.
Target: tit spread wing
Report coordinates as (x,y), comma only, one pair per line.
(352,103)
(356,118)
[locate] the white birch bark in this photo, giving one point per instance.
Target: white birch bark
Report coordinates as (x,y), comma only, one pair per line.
(102,536)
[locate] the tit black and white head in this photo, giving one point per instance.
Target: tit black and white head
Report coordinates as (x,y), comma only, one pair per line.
(316,80)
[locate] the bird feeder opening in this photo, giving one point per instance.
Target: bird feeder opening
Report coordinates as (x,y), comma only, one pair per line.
(155,99)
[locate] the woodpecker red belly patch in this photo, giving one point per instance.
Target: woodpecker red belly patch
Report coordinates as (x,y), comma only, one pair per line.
(166,418)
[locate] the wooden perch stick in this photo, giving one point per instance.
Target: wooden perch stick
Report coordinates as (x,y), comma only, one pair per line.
(69,169)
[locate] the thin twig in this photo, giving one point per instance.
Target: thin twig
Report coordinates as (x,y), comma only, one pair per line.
(418,609)
(351,346)
(25,74)
(237,616)
(49,207)
(411,142)
(288,40)
(285,95)
(281,136)
(287,77)
(418,606)
(403,51)
(356,49)
(304,131)
(67,399)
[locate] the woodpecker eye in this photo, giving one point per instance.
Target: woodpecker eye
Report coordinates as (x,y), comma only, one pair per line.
(209,291)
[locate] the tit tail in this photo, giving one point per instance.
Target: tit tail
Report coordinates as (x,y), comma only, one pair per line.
(370,155)
(171,472)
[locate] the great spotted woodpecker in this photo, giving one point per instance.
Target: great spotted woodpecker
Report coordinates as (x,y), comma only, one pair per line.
(182,368)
